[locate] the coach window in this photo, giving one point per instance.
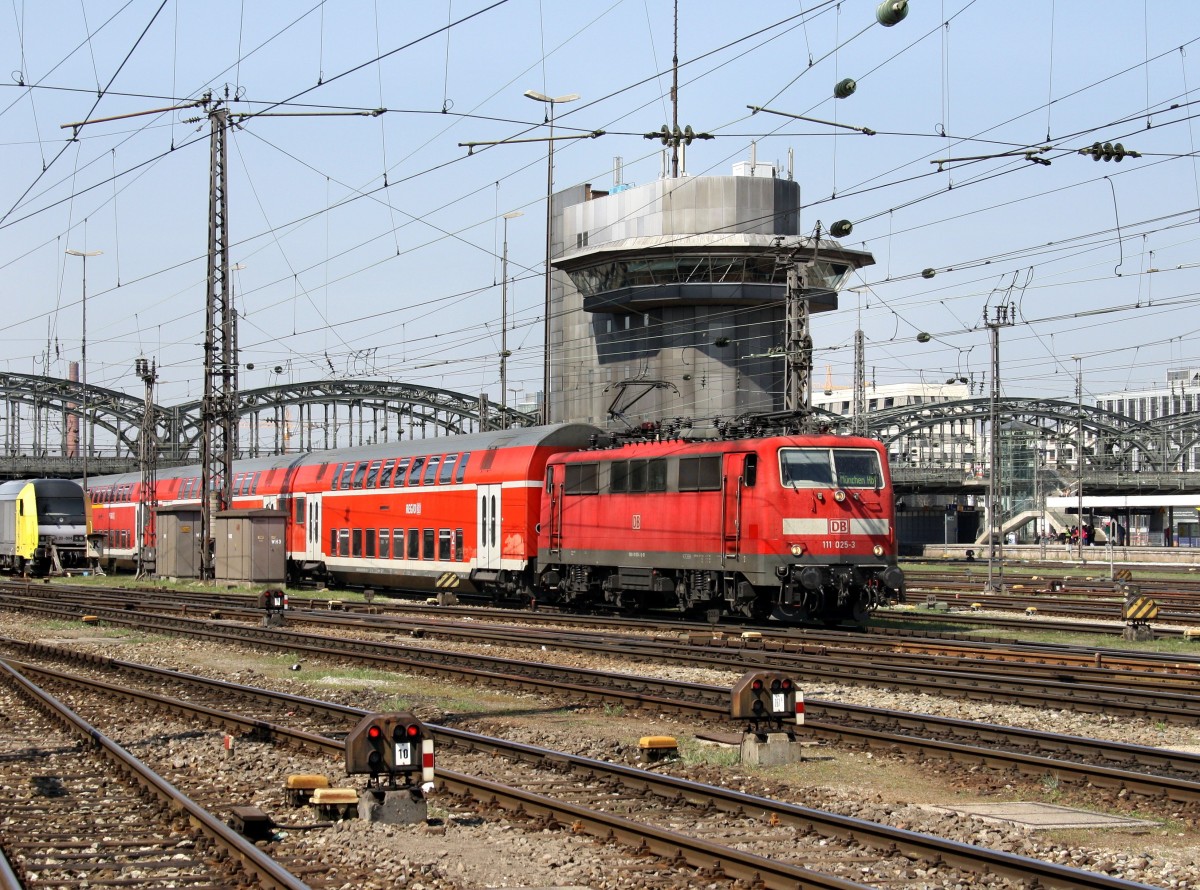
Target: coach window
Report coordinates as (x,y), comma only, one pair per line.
(337,474)
(254,482)
(372,474)
(414,544)
(369,544)
(356,537)
(657,475)
(333,542)
(459,555)
(397,543)
(581,479)
(359,472)
(385,543)
(447,474)
(427,551)
(431,470)
(385,474)
(618,476)
(444,544)
(401,472)
(462,466)
(301,511)
(237,483)
(414,474)
(347,475)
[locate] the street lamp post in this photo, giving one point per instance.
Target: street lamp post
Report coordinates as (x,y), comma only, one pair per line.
(84,254)
(504,321)
(550,103)
(1079,449)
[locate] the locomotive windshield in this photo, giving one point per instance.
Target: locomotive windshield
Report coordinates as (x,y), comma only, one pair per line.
(60,510)
(830,468)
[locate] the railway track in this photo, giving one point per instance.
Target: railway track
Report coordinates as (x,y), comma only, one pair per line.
(76,809)
(719,833)
(1151,772)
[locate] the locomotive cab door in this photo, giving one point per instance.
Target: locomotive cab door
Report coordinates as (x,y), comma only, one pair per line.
(488,520)
(312,529)
(738,473)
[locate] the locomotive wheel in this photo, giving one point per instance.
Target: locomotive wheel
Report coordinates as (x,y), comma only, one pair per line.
(789,614)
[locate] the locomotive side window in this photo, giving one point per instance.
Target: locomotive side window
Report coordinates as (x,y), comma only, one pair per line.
(857,468)
(618,476)
(806,467)
(414,474)
(700,473)
(657,480)
(581,478)
(637,475)
(750,470)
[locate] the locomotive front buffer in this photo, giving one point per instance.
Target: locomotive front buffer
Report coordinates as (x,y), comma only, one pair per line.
(395,751)
(772,707)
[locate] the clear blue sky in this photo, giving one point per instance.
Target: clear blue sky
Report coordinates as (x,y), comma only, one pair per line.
(346,277)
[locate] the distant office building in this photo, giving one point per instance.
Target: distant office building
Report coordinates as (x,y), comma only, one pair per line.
(672,301)
(1180,394)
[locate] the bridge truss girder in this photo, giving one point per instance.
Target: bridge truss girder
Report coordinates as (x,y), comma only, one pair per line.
(1161,444)
(117,417)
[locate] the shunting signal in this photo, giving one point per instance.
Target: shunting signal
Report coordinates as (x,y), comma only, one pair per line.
(767,698)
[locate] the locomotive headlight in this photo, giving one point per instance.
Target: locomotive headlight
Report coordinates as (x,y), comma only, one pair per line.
(839,495)
(797,549)
(878,550)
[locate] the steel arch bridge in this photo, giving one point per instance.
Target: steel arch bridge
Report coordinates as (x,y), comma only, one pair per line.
(42,416)
(1112,441)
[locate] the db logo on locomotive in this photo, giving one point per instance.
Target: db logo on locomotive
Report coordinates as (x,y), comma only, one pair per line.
(839,526)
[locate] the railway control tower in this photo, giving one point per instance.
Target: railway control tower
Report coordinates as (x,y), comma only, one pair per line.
(673,299)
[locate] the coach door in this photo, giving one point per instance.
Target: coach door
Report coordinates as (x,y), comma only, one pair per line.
(312,534)
(488,516)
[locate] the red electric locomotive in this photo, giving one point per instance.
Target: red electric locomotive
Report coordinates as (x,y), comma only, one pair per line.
(798,527)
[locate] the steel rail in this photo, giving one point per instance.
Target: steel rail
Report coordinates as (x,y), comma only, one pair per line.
(265,869)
